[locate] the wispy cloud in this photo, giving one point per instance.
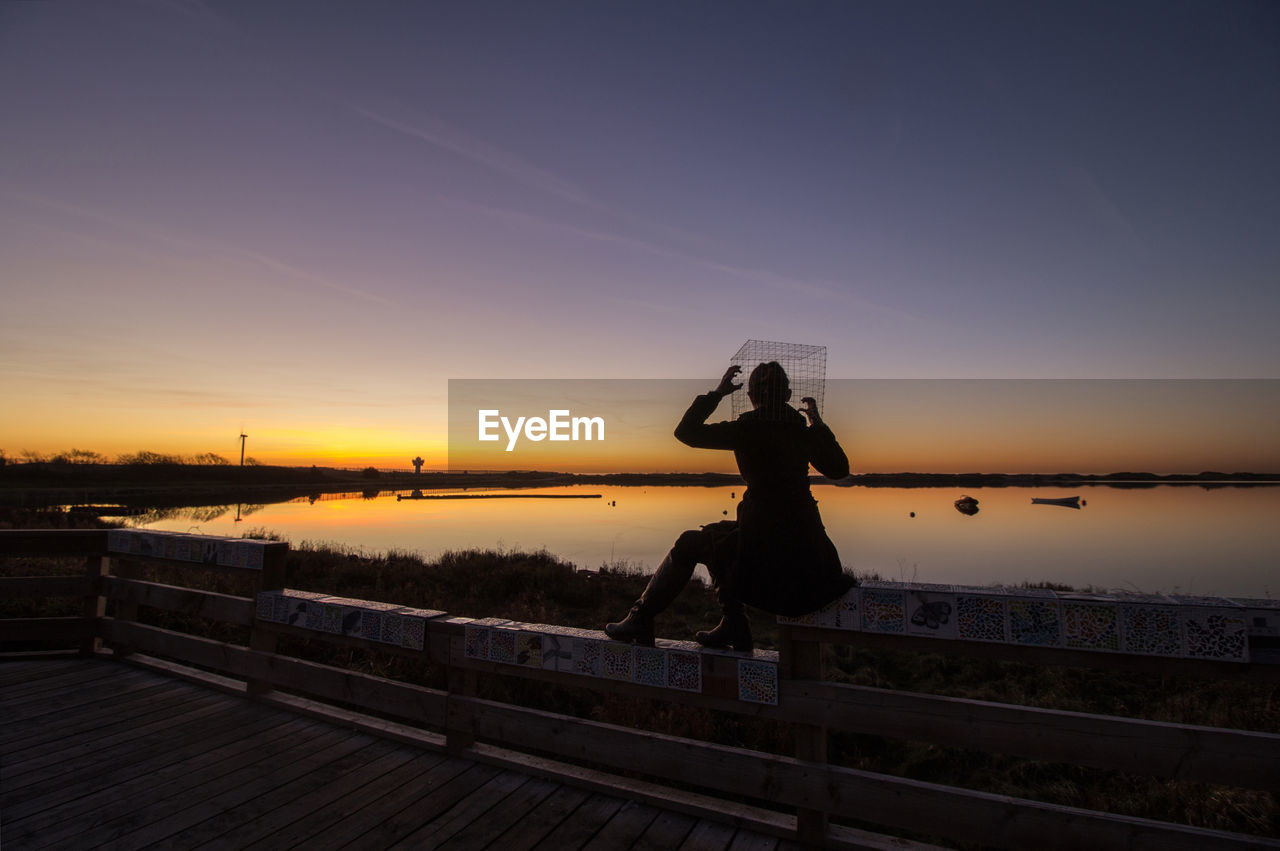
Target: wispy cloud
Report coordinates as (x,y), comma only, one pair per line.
(151,234)
(435,132)
(830,291)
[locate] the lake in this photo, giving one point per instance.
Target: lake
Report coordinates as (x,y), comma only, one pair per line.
(1170,539)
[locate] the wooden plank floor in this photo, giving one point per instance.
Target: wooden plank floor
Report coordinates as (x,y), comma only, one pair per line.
(93,753)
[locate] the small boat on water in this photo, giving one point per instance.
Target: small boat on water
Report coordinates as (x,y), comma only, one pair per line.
(1065,501)
(967,505)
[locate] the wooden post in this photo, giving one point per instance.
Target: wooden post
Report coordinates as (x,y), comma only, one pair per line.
(95,605)
(802,660)
(459,732)
(271,578)
(125,610)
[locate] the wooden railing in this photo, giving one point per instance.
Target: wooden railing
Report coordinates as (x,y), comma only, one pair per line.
(817,792)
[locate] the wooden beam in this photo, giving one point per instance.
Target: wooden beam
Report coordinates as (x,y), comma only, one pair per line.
(1123,662)
(957,814)
(415,703)
(16,587)
(1178,751)
(206,604)
(52,542)
(45,629)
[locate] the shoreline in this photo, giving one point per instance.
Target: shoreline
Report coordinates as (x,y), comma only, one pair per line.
(163,485)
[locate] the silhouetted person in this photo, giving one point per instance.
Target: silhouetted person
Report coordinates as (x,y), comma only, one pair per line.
(776,556)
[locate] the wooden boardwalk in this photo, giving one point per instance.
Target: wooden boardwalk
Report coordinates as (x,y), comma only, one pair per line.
(94,753)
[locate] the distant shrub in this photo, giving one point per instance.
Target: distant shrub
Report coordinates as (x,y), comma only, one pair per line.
(370,473)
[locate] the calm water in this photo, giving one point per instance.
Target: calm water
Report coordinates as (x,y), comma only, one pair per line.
(1170,539)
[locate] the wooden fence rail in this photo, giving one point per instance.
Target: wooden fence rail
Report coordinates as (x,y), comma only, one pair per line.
(804,783)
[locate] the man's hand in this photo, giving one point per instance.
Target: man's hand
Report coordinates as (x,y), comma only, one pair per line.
(726,385)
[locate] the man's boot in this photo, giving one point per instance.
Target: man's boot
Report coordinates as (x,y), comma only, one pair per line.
(734,630)
(664,586)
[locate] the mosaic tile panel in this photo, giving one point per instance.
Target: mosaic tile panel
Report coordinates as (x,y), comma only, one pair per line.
(475,641)
(616,661)
(413,635)
(1262,616)
(808,619)
(981,618)
(684,670)
(283,608)
(352,618)
(529,649)
(392,628)
(266,608)
(650,668)
(556,649)
(586,657)
(225,553)
(1215,634)
(850,614)
(930,613)
(758,682)
(1150,630)
(315,615)
(503,645)
(333,618)
(1090,626)
(883,610)
(1036,622)
(370,625)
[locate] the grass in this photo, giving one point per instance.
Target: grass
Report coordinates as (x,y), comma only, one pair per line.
(538,587)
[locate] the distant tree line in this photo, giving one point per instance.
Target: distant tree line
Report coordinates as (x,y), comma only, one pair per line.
(144,456)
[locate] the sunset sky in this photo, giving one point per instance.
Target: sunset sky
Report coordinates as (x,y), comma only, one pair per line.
(300,220)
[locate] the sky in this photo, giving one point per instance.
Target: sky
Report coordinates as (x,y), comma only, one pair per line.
(299,221)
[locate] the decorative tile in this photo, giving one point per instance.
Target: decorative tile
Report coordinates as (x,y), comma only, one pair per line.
(684,670)
(333,618)
(225,553)
(1151,630)
(475,641)
(1090,626)
(413,635)
(529,649)
(586,657)
(850,614)
(930,613)
(1215,634)
(371,625)
(392,629)
(1036,622)
(617,661)
(266,606)
(315,615)
(650,668)
(118,540)
(757,682)
(556,649)
(883,610)
(503,645)
(1262,616)
(981,618)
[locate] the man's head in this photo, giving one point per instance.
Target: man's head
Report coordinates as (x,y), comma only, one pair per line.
(768,386)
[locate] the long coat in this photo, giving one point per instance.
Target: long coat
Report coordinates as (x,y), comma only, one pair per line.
(779,558)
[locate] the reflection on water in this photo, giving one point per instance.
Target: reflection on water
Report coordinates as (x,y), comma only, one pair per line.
(1169,539)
